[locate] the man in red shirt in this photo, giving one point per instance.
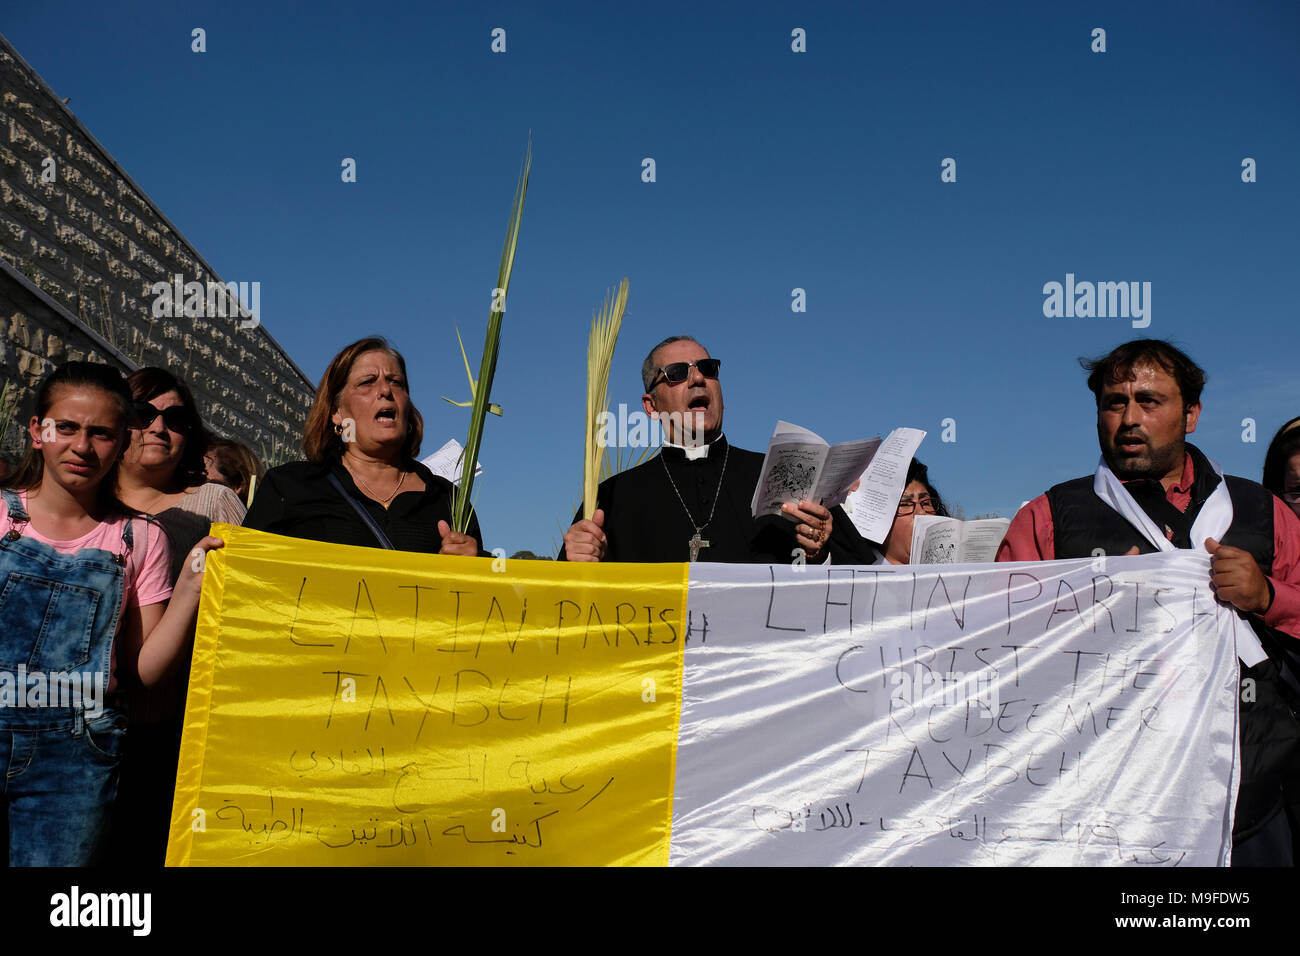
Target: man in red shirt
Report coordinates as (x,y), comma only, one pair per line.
(1153,491)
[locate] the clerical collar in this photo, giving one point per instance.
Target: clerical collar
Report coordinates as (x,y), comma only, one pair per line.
(697,452)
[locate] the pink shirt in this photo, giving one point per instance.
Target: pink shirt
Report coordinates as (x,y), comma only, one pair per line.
(147,572)
(1031,538)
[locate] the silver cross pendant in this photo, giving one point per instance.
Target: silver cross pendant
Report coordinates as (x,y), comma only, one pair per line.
(696,544)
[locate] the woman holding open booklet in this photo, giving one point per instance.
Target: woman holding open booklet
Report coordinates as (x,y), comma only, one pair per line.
(919,498)
(923,532)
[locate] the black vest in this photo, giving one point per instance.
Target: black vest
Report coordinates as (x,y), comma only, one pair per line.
(1082,523)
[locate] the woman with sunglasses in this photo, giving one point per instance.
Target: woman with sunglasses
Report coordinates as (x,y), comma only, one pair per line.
(87,604)
(163,471)
(162,474)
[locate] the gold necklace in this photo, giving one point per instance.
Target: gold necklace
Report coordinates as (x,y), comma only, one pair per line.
(401,478)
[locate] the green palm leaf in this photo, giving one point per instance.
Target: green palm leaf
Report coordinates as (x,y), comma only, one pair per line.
(462,500)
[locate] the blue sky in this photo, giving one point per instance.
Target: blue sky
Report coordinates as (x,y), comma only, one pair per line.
(775,170)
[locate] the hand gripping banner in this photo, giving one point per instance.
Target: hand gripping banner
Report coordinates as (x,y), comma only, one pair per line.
(350,706)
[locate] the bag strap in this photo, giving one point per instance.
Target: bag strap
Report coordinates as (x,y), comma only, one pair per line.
(365,516)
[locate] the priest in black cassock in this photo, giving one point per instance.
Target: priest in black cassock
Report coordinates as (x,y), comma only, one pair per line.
(691,502)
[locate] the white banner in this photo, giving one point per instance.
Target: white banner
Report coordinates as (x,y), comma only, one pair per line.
(1068,713)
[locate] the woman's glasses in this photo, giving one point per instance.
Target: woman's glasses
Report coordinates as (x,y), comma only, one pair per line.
(175,417)
(907,505)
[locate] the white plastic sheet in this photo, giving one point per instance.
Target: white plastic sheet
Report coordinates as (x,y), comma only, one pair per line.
(1057,713)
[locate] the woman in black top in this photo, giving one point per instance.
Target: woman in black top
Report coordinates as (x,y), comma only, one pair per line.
(361,439)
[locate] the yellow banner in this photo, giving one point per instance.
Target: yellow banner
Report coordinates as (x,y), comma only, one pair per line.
(358,707)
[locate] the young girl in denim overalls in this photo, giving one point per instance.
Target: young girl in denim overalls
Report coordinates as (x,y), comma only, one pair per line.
(84,615)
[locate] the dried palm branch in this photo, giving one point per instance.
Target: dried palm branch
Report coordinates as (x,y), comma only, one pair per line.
(600,356)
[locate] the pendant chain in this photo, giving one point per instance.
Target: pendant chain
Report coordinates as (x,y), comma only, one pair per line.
(716,495)
(401,479)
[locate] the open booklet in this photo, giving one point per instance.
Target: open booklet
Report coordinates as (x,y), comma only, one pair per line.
(446,462)
(800,465)
(937,540)
(873,506)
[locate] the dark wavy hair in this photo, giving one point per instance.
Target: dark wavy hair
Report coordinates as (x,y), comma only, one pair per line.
(918,472)
(1117,366)
(94,375)
(1284,446)
(150,382)
(237,464)
(320,442)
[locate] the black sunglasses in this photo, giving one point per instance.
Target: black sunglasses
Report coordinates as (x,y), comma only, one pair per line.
(677,372)
(175,417)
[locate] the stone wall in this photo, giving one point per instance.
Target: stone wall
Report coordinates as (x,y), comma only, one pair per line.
(80,247)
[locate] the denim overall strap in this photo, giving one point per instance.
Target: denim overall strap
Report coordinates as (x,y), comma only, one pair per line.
(17,513)
(60,614)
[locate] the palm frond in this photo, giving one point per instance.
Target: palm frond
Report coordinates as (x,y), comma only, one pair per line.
(493,407)
(600,356)
(462,500)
